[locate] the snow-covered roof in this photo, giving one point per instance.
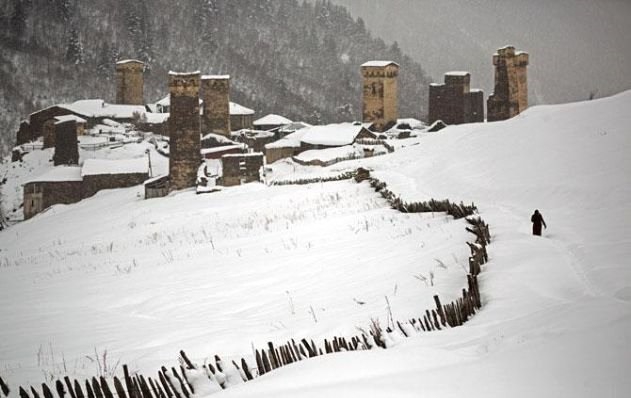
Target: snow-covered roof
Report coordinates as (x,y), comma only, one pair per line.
(156,118)
(457,73)
(172,73)
(222,148)
(99,108)
(252,133)
(379,64)
(271,120)
(59,174)
(236,109)
(413,123)
(332,134)
(238,155)
(292,127)
(215,77)
(128,61)
(66,118)
(120,166)
(218,138)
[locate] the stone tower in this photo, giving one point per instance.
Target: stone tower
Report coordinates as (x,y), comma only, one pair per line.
(510,96)
(454,102)
(66,146)
(216,96)
(130,82)
(379,101)
(184,129)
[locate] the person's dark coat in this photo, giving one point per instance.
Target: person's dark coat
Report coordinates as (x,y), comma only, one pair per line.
(537,222)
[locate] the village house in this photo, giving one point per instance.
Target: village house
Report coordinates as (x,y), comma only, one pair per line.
(270,122)
(60,185)
(99,174)
(316,137)
(254,139)
(241,117)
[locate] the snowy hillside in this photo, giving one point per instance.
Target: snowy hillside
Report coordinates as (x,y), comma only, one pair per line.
(216,273)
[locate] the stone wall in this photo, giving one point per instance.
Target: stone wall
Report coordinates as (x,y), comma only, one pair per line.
(380,95)
(66,146)
(48,133)
(37,119)
(41,195)
(510,96)
(274,154)
(240,122)
(216,95)
(184,130)
(241,167)
(453,102)
(94,183)
(130,82)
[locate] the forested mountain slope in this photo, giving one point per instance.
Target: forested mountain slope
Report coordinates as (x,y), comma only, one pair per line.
(295,58)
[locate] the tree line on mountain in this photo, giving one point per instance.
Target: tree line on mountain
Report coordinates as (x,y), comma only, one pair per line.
(300,59)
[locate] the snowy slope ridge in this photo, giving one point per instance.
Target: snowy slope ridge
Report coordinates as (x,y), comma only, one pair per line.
(557,310)
(143,279)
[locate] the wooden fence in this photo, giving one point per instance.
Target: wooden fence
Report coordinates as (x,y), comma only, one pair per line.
(182,381)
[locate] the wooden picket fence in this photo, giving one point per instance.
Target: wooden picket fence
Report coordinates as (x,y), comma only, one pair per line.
(175,382)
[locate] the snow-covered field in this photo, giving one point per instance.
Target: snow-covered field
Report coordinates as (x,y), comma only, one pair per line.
(214,273)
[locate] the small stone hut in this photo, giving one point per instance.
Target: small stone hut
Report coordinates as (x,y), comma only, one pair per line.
(241,117)
(99,174)
(241,168)
(61,185)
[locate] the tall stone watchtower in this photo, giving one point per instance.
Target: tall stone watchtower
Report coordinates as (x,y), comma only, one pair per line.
(454,102)
(510,96)
(216,96)
(380,101)
(130,82)
(184,129)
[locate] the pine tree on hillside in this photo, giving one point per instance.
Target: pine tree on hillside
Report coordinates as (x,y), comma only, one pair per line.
(74,50)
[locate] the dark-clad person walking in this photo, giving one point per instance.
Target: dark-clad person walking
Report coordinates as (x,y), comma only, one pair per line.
(537,222)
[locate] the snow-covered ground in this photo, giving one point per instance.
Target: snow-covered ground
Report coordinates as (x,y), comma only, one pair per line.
(214,273)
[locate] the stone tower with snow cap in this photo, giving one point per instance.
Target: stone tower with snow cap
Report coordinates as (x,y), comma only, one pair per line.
(380,93)
(510,96)
(184,129)
(130,82)
(215,91)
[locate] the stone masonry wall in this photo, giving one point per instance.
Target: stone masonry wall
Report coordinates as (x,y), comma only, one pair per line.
(66,146)
(130,82)
(94,183)
(41,195)
(453,102)
(184,129)
(216,95)
(380,95)
(246,166)
(510,96)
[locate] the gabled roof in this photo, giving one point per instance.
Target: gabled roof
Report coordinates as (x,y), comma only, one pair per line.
(379,64)
(59,174)
(332,134)
(236,109)
(271,120)
(66,118)
(99,108)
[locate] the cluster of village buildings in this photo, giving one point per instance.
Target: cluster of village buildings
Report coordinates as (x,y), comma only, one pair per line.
(198,121)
